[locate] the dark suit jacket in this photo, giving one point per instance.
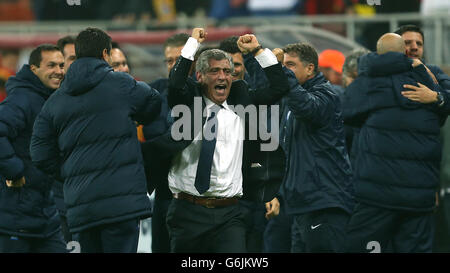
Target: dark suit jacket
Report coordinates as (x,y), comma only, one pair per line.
(183,90)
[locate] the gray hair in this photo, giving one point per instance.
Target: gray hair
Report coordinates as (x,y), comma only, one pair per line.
(202,64)
(350,67)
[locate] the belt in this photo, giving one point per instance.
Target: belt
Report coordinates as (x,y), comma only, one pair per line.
(208,202)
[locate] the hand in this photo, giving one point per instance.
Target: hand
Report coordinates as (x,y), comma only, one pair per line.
(247,43)
(431,75)
(199,34)
(273,208)
(16,183)
(279,53)
(416,62)
(421,94)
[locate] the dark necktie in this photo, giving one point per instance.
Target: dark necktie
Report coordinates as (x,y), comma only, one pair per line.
(203,176)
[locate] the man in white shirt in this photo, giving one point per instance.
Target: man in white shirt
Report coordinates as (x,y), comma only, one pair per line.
(206,175)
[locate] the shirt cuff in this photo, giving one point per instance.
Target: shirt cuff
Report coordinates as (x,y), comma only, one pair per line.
(266,58)
(190,48)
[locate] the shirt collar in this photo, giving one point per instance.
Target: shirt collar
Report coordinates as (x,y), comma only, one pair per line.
(209,103)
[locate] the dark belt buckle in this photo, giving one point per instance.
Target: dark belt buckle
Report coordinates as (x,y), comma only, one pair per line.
(209,203)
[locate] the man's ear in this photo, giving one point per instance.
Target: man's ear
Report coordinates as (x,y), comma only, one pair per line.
(33,68)
(310,68)
(198,75)
(106,56)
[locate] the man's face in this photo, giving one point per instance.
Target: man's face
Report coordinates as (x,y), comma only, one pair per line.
(69,56)
(171,54)
(302,72)
(51,69)
(119,62)
(414,44)
(331,75)
(239,68)
(217,80)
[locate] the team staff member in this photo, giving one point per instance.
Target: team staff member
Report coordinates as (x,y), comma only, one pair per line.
(205,187)
(398,151)
(86,135)
(29,221)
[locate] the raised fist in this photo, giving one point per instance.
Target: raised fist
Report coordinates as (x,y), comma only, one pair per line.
(199,34)
(247,43)
(279,53)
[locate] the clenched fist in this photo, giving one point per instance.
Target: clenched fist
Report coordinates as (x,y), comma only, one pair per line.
(279,53)
(199,34)
(247,43)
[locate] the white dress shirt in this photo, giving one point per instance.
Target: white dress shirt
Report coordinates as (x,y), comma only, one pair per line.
(226,169)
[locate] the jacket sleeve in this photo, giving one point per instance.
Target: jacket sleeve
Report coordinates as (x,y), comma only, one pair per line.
(443,81)
(355,105)
(277,87)
(146,103)
(388,64)
(444,87)
(441,76)
(313,107)
(181,88)
(44,149)
(255,76)
(12,121)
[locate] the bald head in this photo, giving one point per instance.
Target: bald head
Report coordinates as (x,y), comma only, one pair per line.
(390,42)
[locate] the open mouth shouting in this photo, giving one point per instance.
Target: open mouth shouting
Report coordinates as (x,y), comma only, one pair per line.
(220,88)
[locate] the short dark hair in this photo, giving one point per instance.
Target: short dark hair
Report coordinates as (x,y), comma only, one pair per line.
(36,54)
(115,44)
(305,52)
(91,42)
(229,45)
(410,28)
(176,40)
(66,40)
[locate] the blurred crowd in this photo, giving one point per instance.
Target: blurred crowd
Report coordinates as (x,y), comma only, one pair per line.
(167,10)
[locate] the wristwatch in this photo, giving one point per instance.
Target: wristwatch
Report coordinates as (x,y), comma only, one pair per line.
(254,51)
(440,99)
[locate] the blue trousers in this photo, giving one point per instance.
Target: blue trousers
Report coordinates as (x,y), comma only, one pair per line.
(16,244)
(277,235)
(376,229)
(121,237)
(320,231)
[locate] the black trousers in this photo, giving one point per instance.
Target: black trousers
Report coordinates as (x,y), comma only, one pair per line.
(160,234)
(277,235)
(197,229)
(65,228)
(375,229)
(16,244)
(255,224)
(121,237)
(320,231)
